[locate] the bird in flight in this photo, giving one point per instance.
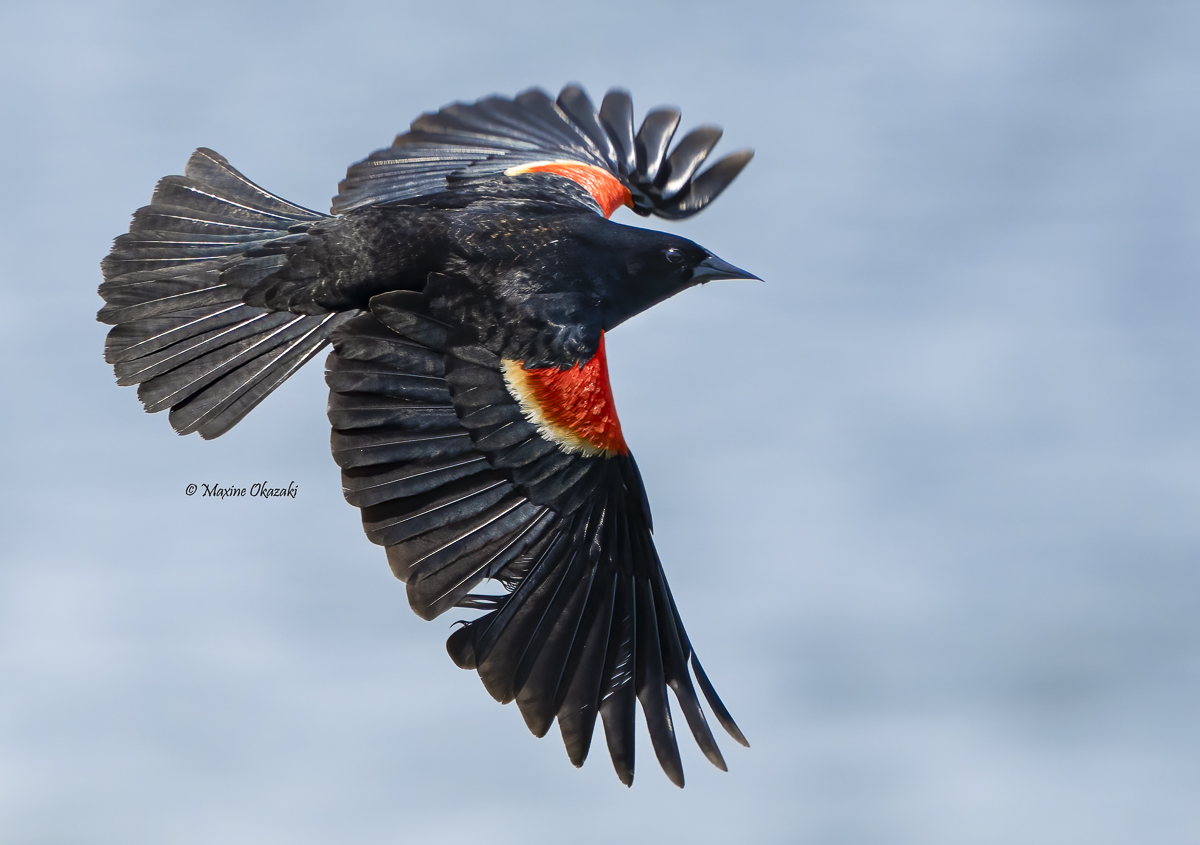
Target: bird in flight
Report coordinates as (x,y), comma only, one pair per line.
(465,280)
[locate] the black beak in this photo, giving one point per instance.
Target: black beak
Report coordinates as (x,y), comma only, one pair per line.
(712,268)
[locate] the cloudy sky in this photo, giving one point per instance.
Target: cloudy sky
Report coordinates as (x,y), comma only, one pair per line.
(929,499)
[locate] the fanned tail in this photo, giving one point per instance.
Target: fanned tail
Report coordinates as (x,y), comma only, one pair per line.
(173,291)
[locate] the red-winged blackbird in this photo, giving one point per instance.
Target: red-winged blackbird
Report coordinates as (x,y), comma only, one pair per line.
(465,281)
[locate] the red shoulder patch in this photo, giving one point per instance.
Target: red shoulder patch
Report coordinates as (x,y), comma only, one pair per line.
(605,188)
(574,407)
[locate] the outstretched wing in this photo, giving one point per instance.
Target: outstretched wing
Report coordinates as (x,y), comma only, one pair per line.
(598,149)
(467,469)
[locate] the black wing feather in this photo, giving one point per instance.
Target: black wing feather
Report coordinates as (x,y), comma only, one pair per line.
(616,115)
(652,684)
(686,158)
(540,675)
(583,675)
(653,140)
(578,108)
(618,708)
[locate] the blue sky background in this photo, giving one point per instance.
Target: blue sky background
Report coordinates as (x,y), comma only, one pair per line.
(929,499)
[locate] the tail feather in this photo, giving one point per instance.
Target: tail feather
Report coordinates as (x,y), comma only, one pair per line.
(129,341)
(145,366)
(211,169)
(174,290)
(155,222)
(156,298)
(214,411)
(187,193)
(178,384)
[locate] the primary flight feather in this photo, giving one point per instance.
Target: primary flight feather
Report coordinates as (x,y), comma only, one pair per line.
(466,282)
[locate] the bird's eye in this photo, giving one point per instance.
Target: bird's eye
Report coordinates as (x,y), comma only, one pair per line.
(674,255)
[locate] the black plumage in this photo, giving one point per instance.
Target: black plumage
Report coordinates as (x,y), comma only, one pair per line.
(466,283)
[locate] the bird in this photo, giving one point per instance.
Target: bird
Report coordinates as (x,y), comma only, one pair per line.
(466,279)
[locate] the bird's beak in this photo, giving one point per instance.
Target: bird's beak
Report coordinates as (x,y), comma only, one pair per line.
(712,268)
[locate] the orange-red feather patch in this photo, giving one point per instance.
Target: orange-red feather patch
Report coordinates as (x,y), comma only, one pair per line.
(605,188)
(574,407)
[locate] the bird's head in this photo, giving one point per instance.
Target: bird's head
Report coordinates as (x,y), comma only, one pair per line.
(644,267)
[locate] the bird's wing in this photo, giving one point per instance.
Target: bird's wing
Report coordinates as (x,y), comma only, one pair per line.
(496,136)
(468,467)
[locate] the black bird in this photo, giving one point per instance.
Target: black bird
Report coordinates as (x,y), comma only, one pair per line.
(465,282)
